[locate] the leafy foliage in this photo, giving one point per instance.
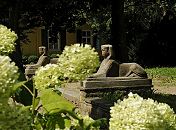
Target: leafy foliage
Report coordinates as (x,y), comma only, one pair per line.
(57,113)
(49,109)
(98,16)
(150,25)
(74,64)
(53,111)
(138,113)
(52,102)
(32,59)
(12,115)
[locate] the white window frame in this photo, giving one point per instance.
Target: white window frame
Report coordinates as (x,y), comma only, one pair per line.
(86,37)
(58,43)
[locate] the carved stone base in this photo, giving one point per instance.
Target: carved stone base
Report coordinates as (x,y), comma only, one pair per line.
(88,94)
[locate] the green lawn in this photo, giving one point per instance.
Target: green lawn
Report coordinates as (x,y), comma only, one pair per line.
(163,76)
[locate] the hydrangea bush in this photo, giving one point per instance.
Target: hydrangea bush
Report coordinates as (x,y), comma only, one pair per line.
(14,118)
(78,61)
(8,76)
(7,40)
(136,113)
(48,76)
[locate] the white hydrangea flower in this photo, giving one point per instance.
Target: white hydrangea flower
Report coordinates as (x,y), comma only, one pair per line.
(47,77)
(7,40)
(78,61)
(8,76)
(14,118)
(136,113)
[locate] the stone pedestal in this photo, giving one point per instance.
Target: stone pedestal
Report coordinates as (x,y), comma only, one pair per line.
(29,72)
(88,94)
(54,60)
(92,85)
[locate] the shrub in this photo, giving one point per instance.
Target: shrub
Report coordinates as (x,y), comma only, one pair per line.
(77,62)
(8,76)
(15,118)
(12,116)
(48,76)
(32,59)
(7,40)
(24,59)
(136,113)
(53,56)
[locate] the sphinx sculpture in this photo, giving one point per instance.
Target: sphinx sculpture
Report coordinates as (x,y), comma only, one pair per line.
(42,61)
(111,68)
(111,78)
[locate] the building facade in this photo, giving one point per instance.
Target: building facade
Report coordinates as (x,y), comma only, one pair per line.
(56,39)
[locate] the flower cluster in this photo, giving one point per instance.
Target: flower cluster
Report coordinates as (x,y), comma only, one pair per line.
(78,61)
(7,40)
(136,113)
(14,118)
(48,76)
(8,76)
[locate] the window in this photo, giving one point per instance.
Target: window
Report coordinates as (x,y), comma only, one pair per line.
(54,39)
(86,37)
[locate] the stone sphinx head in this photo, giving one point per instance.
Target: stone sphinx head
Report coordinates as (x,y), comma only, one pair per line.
(42,50)
(106,50)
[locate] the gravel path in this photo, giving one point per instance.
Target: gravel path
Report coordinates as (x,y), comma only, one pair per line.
(166,90)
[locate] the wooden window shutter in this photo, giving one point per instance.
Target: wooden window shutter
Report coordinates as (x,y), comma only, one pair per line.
(79,36)
(44,37)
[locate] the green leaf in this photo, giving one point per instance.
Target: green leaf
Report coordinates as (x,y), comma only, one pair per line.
(60,122)
(37,126)
(36,102)
(97,123)
(52,102)
(67,123)
(18,85)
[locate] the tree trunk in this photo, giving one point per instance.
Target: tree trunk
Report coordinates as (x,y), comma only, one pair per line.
(16,56)
(117,31)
